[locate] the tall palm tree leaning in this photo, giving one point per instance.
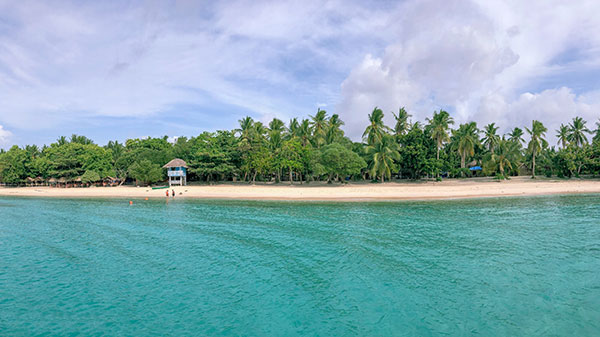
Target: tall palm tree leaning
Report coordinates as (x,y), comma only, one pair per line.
(577,129)
(537,142)
(245,127)
(440,123)
(376,129)
(490,138)
(401,122)
(563,135)
(382,155)
(466,138)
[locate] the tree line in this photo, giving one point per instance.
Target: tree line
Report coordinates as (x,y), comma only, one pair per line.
(316,149)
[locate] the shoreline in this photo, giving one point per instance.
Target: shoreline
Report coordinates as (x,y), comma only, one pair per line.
(471,188)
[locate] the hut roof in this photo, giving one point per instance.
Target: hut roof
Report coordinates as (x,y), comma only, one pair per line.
(52,180)
(175,163)
(39,179)
(30,179)
(62,180)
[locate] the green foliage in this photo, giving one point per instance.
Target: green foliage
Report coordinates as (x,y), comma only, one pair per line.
(90,177)
(339,160)
(383,155)
(146,171)
(315,149)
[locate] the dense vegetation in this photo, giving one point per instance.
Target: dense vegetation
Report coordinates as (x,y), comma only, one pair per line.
(317,149)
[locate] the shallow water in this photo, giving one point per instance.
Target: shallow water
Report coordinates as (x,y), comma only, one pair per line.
(489,267)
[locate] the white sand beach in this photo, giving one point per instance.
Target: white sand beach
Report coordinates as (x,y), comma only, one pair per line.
(448,189)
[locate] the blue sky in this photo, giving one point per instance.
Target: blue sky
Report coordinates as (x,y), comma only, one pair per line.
(127,69)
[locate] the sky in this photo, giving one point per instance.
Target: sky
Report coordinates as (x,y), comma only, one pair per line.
(113,70)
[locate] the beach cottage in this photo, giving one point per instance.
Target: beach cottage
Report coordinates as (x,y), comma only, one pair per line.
(177,172)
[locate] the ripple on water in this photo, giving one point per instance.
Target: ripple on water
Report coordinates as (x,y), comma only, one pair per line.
(514,266)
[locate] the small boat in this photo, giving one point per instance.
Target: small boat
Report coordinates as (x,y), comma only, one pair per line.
(159,187)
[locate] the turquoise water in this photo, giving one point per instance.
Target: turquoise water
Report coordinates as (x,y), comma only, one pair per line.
(491,267)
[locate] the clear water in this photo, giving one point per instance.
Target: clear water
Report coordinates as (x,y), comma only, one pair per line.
(491,267)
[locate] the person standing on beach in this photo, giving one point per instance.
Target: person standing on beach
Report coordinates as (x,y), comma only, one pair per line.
(167,193)
(173,193)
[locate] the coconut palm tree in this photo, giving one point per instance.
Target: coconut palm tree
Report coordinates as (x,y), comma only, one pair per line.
(440,124)
(382,155)
(577,129)
(376,128)
(334,130)
(276,125)
(245,127)
(563,135)
(402,123)
(516,135)
(490,138)
(62,140)
(304,131)
(466,138)
(319,126)
(293,127)
(506,155)
(537,142)
(597,136)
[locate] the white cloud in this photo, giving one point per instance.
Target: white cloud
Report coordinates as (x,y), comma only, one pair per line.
(59,63)
(480,60)
(5,136)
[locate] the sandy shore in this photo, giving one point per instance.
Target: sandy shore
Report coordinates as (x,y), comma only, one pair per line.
(448,189)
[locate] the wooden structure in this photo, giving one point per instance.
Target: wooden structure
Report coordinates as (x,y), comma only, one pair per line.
(177,172)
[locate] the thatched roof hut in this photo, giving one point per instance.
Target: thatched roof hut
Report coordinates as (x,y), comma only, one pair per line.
(30,180)
(62,180)
(52,180)
(175,163)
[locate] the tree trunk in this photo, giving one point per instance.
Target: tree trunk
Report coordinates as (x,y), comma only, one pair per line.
(533,166)
(291,181)
(254,178)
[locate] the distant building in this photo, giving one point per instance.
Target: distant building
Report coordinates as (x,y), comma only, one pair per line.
(177,172)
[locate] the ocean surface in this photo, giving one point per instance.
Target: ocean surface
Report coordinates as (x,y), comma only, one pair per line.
(487,267)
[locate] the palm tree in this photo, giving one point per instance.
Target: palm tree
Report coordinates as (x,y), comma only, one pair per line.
(382,155)
(516,135)
(401,121)
(466,138)
(507,153)
(597,136)
(319,126)
(537,142)
(293,127)
(490,138)
(440,123)
(563,135)
(276,125)
(376,128)
(245,127)
(334,128)
(259,130)
(62,140)
(577,129)
(304,131)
